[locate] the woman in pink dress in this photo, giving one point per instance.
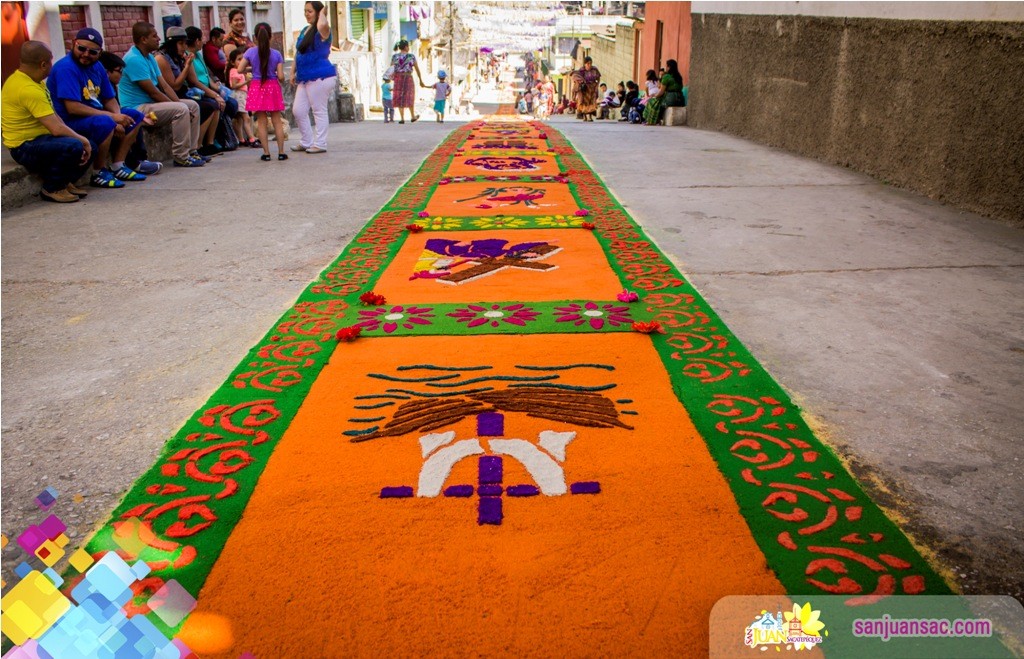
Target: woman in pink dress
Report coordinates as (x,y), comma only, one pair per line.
(265,98)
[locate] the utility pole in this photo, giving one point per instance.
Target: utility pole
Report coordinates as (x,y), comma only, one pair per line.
(394,28)
(451,38)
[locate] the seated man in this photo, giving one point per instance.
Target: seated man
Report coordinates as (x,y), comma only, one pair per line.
(38,139)
(138,154)
(84,99)
(144,89)
(213,56)
(609,101)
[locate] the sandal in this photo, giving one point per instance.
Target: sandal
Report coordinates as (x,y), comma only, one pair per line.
(415,117)
(265,157)
(280,156)
(256,144)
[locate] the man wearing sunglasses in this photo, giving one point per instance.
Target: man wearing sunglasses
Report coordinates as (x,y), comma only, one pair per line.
(86,101)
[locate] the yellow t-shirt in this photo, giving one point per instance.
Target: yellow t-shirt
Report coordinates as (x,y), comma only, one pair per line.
(22,102)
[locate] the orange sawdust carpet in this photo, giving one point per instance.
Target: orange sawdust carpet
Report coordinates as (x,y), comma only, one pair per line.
(500,423)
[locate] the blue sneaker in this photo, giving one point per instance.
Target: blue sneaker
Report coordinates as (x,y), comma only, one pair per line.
(188,162)
(148,167)
(104,178)
(195,155)
(128,174)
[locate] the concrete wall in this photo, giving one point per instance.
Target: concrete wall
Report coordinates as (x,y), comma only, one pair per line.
(934,106)
(675,38)
(614,56)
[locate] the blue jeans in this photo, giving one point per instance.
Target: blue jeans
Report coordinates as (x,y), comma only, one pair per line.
(389,110)
(99,127)
(58,160)
(171,21)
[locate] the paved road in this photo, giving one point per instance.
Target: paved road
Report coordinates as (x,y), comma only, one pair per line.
(896,322)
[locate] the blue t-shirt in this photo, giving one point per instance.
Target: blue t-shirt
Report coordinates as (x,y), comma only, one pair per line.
(137,67)
(70,81)
(385,90)
(314,63)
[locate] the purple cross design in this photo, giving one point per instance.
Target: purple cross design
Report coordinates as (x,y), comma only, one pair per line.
(490,474)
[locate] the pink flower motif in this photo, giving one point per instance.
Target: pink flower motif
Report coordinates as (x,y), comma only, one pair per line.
(627,296)
(423,214)
(593,314)
(443,181)
(583,212)
(391,319)
(475,315)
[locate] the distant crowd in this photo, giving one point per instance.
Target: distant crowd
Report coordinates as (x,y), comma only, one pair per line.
(593,100)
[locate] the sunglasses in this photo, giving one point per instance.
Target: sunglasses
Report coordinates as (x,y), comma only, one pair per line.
(82,49)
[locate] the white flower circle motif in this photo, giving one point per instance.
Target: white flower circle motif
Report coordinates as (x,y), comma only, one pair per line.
(593,313)
(494,314)
(394,316)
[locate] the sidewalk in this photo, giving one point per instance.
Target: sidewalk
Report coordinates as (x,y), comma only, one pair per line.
(895,321)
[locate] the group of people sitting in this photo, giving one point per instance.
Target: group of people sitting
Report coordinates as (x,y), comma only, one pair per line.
(648,106)
(93,104)
(662,89)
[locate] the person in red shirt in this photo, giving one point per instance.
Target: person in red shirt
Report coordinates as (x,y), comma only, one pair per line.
(213,56)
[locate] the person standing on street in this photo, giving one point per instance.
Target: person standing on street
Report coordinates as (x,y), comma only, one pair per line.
(404,64)
(314,78)
(386,90)
(265,97)
(587,80)
(442,90)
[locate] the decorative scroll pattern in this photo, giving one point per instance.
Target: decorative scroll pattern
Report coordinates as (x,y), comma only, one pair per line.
(820,532)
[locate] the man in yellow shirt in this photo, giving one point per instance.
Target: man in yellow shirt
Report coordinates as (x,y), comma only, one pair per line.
(38,139)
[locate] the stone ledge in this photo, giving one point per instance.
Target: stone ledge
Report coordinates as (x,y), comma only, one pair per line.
(675,116)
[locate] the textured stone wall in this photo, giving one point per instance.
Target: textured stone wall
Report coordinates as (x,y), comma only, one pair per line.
(615,56)
(72,19)
(117,25)
(933,106)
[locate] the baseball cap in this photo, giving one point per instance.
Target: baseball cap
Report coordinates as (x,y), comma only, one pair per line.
(90,34)
(441,74)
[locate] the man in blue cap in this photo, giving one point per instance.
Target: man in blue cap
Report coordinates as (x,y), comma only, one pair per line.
(84,98)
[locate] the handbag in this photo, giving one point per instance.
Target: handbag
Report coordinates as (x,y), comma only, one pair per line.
(226,135)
